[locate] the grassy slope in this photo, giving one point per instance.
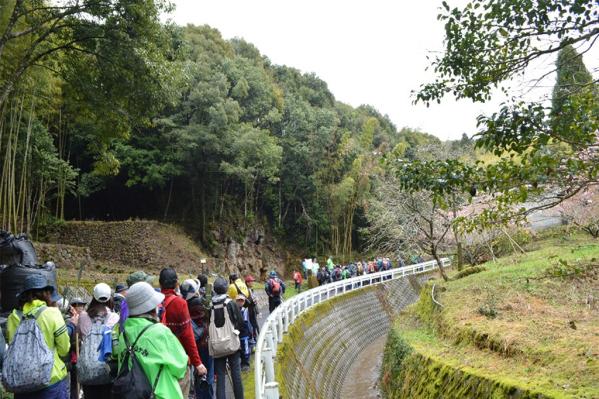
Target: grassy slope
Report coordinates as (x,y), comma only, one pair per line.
(531,343)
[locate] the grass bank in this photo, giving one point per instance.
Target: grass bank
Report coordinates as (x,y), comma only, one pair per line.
(525,326)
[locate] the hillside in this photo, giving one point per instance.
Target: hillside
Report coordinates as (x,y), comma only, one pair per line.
(148,245)
(108,251)
(89,252)
(527,326)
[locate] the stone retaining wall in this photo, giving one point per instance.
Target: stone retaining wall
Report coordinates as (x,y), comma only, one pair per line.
(316,354)
(65,256)
(138,244)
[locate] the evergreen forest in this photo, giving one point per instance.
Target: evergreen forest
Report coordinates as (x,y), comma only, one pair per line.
(107,113)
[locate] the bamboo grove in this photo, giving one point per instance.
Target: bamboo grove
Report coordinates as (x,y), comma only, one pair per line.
(108,113)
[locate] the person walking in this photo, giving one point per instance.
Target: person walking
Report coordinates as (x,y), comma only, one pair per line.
(253,310)
(160,354)
(274,288)
(221,303)
(244,334)
(298,280)
(200,319)
(75,308)
(330,264)
(35,299)
(175,315)
(96,320)
(237,286)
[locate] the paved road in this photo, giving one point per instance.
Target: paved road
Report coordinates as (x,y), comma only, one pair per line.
(263,306)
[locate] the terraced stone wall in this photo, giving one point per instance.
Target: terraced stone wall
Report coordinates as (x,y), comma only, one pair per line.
(314,358)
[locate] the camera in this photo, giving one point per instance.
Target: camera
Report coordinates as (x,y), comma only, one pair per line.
(201,381)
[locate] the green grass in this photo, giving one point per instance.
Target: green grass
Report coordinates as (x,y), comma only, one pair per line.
(544,337)
(247,378)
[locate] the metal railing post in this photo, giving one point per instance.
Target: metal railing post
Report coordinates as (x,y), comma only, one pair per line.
(271,343)
(286,320)
(280,321)
(269,365)
(271,390)
(280,328)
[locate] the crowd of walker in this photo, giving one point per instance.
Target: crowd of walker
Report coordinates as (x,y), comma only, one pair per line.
(182,340)
(136,341)
(331,272)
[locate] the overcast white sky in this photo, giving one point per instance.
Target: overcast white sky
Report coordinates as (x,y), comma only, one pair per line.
(369,52)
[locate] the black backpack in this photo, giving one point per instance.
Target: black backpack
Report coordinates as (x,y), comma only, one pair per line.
(132,383)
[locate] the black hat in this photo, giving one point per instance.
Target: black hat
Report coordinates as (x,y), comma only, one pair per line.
(168,277)
(220,286)
(120,287)
(36,282)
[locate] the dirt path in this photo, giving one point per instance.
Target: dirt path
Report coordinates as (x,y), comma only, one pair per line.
(362,378)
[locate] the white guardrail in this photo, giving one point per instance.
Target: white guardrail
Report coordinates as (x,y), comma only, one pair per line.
(285,314)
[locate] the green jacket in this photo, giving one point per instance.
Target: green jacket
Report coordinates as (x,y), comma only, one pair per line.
(157,347)
(330,264)
(55,334)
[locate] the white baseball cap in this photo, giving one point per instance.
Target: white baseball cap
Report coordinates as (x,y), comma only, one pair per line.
(102,292)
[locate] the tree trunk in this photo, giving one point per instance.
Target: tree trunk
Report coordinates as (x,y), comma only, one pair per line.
(439,263)
(168,201)
(460,255)
(456,235)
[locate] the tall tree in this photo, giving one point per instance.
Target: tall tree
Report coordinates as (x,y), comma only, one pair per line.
(488,42)
(573,83)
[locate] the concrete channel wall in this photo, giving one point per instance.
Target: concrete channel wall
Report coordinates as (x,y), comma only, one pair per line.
(321,346)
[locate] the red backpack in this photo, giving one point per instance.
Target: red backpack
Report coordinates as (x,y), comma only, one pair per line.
(275,286)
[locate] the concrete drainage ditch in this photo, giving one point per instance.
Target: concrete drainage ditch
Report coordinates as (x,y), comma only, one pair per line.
(327,334)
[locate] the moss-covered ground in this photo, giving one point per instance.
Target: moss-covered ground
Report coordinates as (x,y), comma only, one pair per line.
(527,325)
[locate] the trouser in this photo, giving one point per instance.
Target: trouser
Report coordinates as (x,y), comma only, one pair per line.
(220,368)
(55,391)
(273,302)
(244,351)
(254,321)
(298,286)
(205,390)
(97,391)
(74,386)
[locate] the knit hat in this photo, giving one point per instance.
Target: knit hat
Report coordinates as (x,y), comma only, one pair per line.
(249,279)
(189,289)
(138,276)
(102,292)
(141,298)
